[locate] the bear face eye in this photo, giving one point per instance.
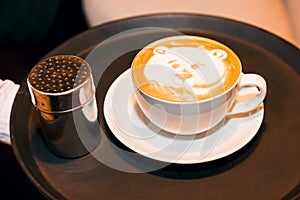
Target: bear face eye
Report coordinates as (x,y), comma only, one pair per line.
(196,66)
(175,66)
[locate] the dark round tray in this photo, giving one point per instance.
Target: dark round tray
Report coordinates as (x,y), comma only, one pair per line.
(266,168)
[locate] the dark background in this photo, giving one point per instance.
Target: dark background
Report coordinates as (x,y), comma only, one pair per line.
(18,54)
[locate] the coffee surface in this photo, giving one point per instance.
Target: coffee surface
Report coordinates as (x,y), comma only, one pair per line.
(185,68)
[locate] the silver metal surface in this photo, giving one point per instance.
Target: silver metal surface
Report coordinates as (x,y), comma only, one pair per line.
(63,92)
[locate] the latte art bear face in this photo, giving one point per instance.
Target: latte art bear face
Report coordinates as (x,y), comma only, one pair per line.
(184,70)
(192,71)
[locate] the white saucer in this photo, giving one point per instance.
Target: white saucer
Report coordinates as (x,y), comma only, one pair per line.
(129,125)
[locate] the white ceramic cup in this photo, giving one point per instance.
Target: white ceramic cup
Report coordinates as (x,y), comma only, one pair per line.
(188,84)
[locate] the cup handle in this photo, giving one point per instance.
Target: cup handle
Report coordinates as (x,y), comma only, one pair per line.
(254,103)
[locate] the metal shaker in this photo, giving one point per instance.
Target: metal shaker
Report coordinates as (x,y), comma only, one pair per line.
(63,92)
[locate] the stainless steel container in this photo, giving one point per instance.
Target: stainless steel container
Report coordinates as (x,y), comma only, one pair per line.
(63,92)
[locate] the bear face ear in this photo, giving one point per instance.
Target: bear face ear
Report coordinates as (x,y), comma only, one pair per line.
(160,50)
(218,54)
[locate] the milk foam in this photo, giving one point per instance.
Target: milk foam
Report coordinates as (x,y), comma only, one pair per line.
(183,72)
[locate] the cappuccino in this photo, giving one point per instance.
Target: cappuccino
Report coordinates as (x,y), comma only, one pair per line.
(185,68)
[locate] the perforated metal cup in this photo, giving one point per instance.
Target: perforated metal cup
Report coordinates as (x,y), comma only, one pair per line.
(63,92)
